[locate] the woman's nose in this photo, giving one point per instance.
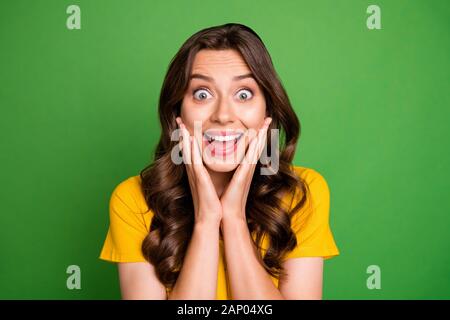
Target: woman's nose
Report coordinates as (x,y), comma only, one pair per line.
(223,112)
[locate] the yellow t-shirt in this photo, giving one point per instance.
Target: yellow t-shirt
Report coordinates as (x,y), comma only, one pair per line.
(130,222)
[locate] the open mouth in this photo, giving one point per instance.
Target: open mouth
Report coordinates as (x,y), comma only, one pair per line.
(222,138)
(221,145)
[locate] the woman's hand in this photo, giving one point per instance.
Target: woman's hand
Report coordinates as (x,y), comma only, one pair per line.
(207,204)
(234,198)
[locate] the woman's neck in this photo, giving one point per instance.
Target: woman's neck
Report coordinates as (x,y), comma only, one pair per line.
(220,180)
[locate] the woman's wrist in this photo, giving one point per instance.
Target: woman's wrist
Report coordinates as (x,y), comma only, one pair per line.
(209,226)
(233,220)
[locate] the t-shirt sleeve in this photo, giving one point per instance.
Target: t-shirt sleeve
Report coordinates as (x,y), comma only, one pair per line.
(127,228)
(313,232)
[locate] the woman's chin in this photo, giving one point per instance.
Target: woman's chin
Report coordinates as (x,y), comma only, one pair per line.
(221,164)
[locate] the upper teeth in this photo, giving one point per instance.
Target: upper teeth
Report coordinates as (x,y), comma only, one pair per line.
(222,138)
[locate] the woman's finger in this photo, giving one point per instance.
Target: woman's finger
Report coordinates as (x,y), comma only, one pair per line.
(263,139)
(244,169)
(187,159)
(254,151)
(196,157)
(187,154)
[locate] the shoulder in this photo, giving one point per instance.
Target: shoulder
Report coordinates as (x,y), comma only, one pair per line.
(129,222)
(129,193)
(317,202)
(316,182)
(311,222)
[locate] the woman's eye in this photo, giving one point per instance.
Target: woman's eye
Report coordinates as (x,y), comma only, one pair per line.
(245,94)
(201,94)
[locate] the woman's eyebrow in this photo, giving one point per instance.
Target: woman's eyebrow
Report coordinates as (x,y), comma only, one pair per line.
(210,79)
(244,76)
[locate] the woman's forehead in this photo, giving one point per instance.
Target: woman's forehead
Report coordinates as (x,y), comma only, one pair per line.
(219,61)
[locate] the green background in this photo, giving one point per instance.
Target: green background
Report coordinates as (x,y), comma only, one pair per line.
(78,115)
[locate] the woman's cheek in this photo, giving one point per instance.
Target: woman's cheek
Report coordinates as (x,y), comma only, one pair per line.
(192,113)
(252,115)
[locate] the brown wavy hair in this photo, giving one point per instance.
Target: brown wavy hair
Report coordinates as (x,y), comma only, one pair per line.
(166,187)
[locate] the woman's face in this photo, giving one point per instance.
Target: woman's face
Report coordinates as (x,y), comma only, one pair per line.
(223,101)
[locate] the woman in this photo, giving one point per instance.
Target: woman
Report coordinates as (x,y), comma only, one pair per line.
(214,226)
